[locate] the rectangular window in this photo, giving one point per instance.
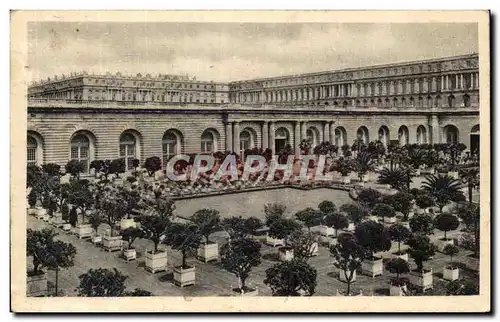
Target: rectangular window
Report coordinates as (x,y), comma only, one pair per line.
(31,156)
(74,153)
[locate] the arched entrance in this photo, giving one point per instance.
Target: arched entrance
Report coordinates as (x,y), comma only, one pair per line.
(474,139)
(281,139)
(362,135)
(421,135)
(340,136)
(403,135)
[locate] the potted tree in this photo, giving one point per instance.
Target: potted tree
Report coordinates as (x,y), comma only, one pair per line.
(75,168)
(344,166)
(454,151)
(349,256)
(451,271)
(355,213)
(385,212)
(336,221)
(422,224)
(375,238)
(98,167)
(238,257)
(155,227)
(280,229)
(59,255)
(208,222)
(117,167)
(186,239)
(423,201)
(37,244)
(362,164)
(421,249)
(444,189)
(113,208)
(398,266)
(399,234)
(309,217)
(152,164)
(130,235)
(95,221)
(82,199)
(65,212)
(326,208)
(304,245)
(291,278)
(445,223)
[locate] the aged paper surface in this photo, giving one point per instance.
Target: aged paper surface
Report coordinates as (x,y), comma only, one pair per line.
(22,74)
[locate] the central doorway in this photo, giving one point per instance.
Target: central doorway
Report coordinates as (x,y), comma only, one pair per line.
(279,144)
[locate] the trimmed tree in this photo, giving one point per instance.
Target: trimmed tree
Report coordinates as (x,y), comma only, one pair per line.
(421,250)
(302,244)
(184,238)
(363,163)
(117,167)
(37,244)
(274,211)
(446,223)
(369,197)
(101,282)
(401,202)
(74,168)
(289,278)
(397,266)
(336,221)
(327,207)
(383,210)
(131,234)
(282,228)
(373,236)
(464,286)
(444,189)
(59,255)
(155,224)
(349,255)
(355,213)
(422,224)
(208,222)
(399,234)
(152,164)
(238,257)
(309,217)
(451,250)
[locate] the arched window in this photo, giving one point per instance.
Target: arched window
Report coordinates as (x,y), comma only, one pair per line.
(281,133)
(362,134)
(80,150)
(32,151)
(466,100)
(340,136)
(421,135)
(451,134)
(170,146)
(312,136)
(207,142)
(451,101)
(245,141)
(383,135)
(403,135)
(128,146)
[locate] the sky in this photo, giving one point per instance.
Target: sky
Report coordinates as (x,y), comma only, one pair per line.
(232,51)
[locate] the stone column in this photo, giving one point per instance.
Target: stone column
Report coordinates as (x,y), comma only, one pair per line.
(296,138)
(462,81)
(303,131)
(457,82)
(271,137)
(265,135)
(435,130)
(229,136)
(332,133)
(236,137)
(326,132)
(433,84)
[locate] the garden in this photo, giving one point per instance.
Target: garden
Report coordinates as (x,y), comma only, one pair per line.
(384,236)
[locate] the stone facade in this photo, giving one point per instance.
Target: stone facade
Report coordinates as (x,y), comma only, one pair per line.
(430,101)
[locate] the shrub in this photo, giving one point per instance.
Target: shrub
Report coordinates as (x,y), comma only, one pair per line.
(152,164)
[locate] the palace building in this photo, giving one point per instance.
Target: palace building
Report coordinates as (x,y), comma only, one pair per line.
(87,117)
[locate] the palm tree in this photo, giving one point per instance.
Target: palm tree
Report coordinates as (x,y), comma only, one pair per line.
(363,163)
(395,178)
(470,177)
(443,188)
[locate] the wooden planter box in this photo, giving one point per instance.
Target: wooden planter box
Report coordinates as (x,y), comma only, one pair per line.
(274,241)
(84,231)
(285,254)
(314,249)
(342,275)
(57,220)
(390,220)
(451,273)
(112,243)
(36,285)
(373,267)
(248,292)
(184,276)
(441,244)
(155,262)
(41,213)
(346,180)
(472,263)
(32,211)
(326,231)
(403,255)
(396,290)
(129,254)
(96,240)
(422,280)
(126,223)
(208,252)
